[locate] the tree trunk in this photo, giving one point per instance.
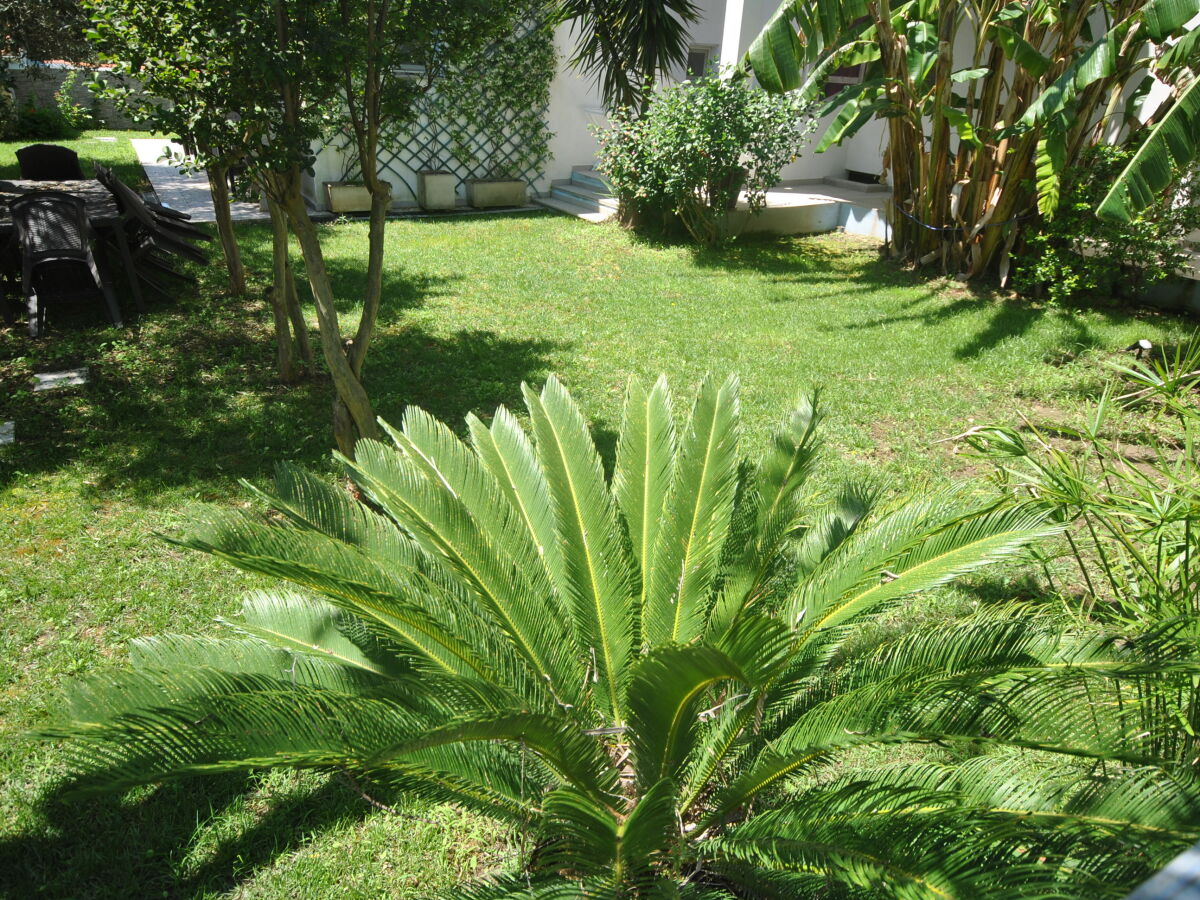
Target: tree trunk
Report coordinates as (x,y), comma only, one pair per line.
(358,419)
(279,294)
(381,200)
(219,187)
(299,324)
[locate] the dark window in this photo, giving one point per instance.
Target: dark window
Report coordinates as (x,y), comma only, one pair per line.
(697,61)
(844,76)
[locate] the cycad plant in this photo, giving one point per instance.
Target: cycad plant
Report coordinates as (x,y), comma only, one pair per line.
(662,677)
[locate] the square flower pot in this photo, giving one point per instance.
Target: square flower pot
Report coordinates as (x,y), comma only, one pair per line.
(437,190)
(345,196)
(490,193)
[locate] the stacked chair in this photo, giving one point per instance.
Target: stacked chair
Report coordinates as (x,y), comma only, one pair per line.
(152,236)
(49,162)
(56,255)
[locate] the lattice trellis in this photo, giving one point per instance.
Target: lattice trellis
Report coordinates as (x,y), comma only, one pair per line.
(486,123)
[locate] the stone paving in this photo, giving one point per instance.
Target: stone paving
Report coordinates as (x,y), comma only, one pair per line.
(185,191)
(49,381)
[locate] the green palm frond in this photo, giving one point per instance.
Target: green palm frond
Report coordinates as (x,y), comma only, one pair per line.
(663,678)
(507,451)
(665,691)
(827,599)
(646,459)
(769,511)
(312,627)
(698,513)
(597,576)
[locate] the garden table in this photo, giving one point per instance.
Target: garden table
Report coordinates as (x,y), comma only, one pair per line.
(102,209)
(103,212)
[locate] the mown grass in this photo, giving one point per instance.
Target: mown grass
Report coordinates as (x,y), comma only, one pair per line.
(109,148)
(184,405)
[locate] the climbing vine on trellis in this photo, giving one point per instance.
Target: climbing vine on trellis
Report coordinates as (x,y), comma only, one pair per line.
(484,119)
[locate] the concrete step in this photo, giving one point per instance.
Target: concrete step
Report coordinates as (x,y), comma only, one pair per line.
(591,179)
(573,193)
(852,185)
(588,214)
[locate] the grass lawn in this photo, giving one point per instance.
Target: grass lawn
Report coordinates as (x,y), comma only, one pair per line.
(184,405)
(109,148)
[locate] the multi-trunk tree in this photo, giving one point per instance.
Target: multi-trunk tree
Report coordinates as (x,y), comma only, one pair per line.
(261,85)
(987,102)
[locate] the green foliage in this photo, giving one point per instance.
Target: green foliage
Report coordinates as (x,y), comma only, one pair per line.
(1133,515)
(40,123)
(494,99)
(626,45)
(698,144)
(76,116)
(1076,253)
(43,30)
(656,675)
(8,106)
(222,71)
(990,106)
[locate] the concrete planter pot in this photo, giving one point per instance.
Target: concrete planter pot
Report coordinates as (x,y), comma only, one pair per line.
(490,193)
(437,190)
(345,196)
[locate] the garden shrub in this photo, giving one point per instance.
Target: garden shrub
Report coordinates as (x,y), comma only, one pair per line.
(698,145)
(40,123)
(1076,253)
(8,109)
(75,116)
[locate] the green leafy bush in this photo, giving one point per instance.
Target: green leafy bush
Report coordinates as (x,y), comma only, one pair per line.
(1076,253)
(8,108)
(664,678)
(76,116)
(697,145)
(40,123)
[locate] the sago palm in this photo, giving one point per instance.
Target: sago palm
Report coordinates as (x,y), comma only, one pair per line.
(659,677)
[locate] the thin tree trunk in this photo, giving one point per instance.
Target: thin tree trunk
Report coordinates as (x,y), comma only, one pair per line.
(279,293)
(381,199)
(299,323)
(219,187)
(358,418)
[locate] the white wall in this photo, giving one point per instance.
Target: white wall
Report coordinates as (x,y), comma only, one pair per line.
(575,110)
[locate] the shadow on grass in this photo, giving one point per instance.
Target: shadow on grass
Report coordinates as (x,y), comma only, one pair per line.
(107,847)
(189,398)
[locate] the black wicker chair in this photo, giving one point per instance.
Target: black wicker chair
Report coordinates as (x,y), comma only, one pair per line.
(150,216)
(56,255)
(150,240)
(49,162)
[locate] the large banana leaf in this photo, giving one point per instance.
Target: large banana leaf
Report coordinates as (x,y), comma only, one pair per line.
(1172,144)
(797,36)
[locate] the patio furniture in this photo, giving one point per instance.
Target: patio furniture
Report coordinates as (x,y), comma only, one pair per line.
(102,209)
(151,217)
(49,162)
(56,256)
(147,240)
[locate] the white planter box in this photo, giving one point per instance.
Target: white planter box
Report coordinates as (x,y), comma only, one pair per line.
(437,190)
(347,197)
(488,194)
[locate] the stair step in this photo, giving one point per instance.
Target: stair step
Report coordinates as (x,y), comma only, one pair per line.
(576,209)
(573,193)
(591,179)
(856,185)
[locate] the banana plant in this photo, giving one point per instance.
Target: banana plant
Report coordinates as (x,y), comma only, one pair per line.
(679,680)
(987,102)
(1170,146)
